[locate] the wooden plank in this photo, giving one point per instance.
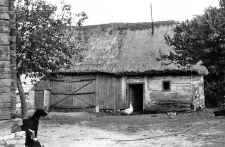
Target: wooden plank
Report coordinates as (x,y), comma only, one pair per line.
(105,98)
(93,96)
(84,102)
(43,85)
(163,96)
(135,80)
(97,91)
(58,93)
(108,92)
(71,81)
(146,97)
(81,85)
(121,102)
(72,92)
(124,87)
(100,89)
(170,105)
(119,99)
(115,93)
(39,99)
(86,99)
(111,90)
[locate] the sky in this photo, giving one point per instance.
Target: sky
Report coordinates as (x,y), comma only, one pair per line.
(131,11)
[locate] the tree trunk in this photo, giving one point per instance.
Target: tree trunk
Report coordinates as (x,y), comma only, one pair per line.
(22,97)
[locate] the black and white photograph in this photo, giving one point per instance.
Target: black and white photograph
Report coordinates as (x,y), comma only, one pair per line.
(112,73)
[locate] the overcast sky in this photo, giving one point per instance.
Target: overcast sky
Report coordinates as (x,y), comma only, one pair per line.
(109,11)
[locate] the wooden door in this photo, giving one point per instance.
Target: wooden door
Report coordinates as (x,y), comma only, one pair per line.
(74,93)
(136,96)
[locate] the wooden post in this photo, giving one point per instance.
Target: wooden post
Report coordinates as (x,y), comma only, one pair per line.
(46,99)
(146,93)
(124,90)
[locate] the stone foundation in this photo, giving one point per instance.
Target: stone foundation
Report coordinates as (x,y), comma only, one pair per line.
(16,139)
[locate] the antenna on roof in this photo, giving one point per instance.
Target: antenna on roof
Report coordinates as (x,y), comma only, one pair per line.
(152,20)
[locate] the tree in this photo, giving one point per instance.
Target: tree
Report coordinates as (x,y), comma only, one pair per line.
(43,40)
(202,40)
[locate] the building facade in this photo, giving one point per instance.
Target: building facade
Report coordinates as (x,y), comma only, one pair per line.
(120,65)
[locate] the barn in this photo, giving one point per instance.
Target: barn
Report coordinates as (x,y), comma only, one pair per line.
(119,65)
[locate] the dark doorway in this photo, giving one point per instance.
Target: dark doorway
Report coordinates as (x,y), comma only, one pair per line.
(136,96)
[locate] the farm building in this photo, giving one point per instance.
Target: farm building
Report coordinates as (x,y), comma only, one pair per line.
(119,65)
(7,59)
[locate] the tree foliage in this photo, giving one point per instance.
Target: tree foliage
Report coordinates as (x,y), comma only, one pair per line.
(202,40)
(43,42)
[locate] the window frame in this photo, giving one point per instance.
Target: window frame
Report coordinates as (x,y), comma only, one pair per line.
(163,86)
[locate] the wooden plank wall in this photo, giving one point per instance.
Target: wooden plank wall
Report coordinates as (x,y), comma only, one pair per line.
(109,92)
(39,99)
(61,87)
(84,100)
(106,89)
(39,88)
(42,85)
(179,98)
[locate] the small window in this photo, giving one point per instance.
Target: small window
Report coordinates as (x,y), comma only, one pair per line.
(166,86)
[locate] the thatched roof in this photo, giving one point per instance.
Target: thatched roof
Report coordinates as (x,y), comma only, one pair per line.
(127,49)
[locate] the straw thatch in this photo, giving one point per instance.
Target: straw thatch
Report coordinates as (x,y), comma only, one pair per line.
(128,49)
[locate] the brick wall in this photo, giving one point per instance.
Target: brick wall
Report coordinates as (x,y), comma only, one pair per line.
(7,59)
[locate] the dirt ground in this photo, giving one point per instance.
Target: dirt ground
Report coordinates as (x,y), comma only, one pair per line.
(84,129)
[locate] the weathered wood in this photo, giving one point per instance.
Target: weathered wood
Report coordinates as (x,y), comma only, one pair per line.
(135,80)
(180,96)
(39,99)
(72,81)
(176,96)
(108,92)
(146,98)
(46,99)
(73,93)
(124,91)
(79,92)
(42,85)
(59,93)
